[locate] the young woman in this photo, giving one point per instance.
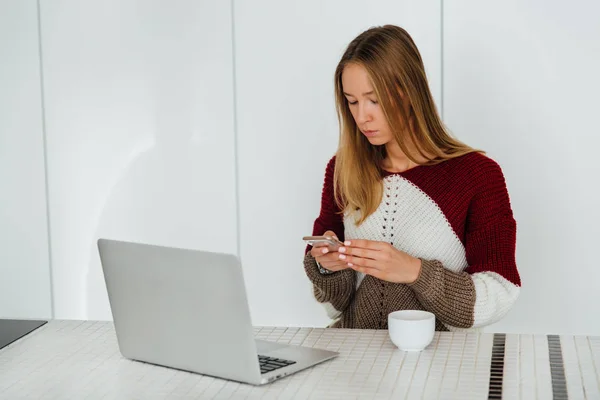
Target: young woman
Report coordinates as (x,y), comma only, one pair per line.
(426,219)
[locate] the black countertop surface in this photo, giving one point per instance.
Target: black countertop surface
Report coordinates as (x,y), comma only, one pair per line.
(14,329)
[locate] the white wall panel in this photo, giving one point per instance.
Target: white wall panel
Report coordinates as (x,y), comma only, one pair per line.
(140,134)
(521,81)
(24,261)
(286,54)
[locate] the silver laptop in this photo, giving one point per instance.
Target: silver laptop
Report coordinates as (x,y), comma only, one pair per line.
(187,309)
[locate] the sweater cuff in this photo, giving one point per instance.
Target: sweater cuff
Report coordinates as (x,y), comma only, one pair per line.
(449,295)
(331,284)
(429,278)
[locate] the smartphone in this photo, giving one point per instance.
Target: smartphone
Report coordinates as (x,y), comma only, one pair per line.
(321,241)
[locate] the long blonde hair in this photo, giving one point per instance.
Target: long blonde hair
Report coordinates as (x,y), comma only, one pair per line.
(394,65)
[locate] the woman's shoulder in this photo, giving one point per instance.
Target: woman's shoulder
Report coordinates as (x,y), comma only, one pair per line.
(330,168)
(474,159)
(480,175)
(476,165)
(331,163)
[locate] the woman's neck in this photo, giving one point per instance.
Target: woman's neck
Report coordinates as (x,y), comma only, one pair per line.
(397,161)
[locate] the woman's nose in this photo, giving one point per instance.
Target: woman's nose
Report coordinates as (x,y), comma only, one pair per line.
(363,115)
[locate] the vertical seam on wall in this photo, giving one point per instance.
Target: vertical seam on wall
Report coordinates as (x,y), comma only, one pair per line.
(442,57)
(45,150)
(235,136)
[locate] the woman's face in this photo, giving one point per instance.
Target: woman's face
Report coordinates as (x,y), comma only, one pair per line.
(364,105)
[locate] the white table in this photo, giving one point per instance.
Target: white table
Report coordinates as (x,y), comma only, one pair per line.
(81,360)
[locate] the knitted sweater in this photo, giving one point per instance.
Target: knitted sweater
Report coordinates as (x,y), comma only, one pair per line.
(456,217)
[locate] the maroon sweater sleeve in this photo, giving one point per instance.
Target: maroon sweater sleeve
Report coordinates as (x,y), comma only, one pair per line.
(330,217)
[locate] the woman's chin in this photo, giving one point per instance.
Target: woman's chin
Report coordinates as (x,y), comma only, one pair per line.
(377,141)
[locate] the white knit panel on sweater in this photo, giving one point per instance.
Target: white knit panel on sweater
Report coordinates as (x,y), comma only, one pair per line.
(413,223)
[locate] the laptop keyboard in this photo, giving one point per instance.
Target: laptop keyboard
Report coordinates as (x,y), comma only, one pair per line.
(268,364)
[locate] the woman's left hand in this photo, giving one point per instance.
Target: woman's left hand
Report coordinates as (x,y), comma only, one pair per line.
(381,260)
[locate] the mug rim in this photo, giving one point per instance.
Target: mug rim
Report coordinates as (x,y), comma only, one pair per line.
(397,315)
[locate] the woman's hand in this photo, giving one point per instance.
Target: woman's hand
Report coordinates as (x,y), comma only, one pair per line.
(381,260)
(328,257)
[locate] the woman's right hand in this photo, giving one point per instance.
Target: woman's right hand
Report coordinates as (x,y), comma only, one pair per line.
(327,256)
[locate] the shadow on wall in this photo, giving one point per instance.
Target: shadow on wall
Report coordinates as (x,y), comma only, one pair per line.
(156,198)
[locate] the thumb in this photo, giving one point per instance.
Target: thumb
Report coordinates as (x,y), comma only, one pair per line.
(331,233)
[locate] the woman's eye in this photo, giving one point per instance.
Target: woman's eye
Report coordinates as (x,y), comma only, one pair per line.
(374,101)
(352,102)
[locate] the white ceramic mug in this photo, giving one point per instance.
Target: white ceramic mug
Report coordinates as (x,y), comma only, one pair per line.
(411,330)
